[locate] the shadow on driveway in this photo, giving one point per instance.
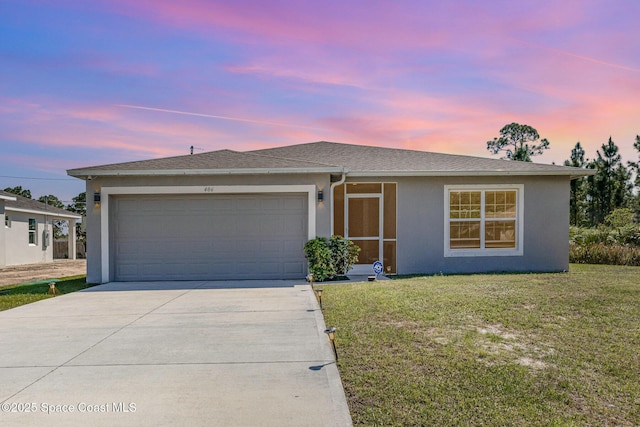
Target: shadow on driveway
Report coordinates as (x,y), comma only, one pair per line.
(186,285)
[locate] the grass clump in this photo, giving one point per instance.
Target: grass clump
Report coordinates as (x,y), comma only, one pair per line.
(601,253)
(16,295)
(508,349)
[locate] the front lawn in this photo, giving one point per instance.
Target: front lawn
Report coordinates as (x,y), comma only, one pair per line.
(512,349)
(15,295)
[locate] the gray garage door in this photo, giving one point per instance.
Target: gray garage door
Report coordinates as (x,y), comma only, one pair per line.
(208,237)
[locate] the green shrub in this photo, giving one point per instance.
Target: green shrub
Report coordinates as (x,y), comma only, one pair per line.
(599,253)
(620,217)
(329,258)
(589,236)
(344,254)
(321,265)
(628,234)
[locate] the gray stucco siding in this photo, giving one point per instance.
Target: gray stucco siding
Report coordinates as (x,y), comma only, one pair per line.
(421,234)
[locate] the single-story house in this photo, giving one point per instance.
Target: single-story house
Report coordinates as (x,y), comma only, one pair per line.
(246,215)
(27,234)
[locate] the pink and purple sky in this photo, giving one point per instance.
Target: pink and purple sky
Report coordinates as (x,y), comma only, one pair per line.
(85,83)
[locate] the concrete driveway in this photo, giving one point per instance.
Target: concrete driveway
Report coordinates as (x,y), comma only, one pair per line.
(171,353)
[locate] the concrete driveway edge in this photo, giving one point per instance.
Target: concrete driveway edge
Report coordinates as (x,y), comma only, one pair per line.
(340,406)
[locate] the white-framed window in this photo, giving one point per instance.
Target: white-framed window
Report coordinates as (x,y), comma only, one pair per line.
(7,221)
(483,220)
(33,231)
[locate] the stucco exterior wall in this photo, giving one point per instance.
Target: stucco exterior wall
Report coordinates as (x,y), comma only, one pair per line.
(94,216)
(421,210)
(17,248)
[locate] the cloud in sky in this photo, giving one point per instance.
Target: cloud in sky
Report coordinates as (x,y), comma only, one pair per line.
(211,116)
(428,75)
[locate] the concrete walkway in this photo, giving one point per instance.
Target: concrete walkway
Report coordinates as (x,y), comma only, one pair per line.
(172,353)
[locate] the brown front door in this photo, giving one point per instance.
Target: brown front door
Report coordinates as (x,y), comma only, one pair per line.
(365,213)
(363,228)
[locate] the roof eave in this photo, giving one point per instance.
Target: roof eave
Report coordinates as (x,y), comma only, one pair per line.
(569,173)
(43,212)
(7,198)
(84,173)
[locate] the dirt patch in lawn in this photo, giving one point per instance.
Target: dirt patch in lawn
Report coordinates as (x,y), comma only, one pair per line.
(35,272)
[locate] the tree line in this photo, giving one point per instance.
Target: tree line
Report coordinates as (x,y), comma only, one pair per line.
(615,185)
(612,186)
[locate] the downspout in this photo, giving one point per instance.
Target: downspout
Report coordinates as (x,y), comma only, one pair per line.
(344,177)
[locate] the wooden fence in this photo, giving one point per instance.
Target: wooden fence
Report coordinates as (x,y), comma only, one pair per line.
(61,249)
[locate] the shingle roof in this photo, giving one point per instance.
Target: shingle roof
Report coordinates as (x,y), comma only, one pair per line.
(25,204)
(361,159)
(356,160)
(222,160)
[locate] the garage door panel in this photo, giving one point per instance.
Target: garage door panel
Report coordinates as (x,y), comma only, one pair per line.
(293,226)
(199,246)
(127,248)
(157,268)
(224,269)
(197,206)
(208,237)
(130,207)
(221,246)
(139,208)
(270,204)
(248,204)
(271,267)
(299,204)
(271,247)
(152,248)
(269,224)
(292,246)
(243,245)
(222,226)
(127,270)
(192,229)
(293,268)
(198,269)
(128,228)
(222,205)
(250,226)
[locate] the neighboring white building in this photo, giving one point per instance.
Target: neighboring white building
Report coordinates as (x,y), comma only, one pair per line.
(26,237)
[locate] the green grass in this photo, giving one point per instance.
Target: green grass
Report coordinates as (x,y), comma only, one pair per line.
(510,349)
(15,295)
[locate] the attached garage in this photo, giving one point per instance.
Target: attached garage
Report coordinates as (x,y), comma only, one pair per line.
(207,236)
